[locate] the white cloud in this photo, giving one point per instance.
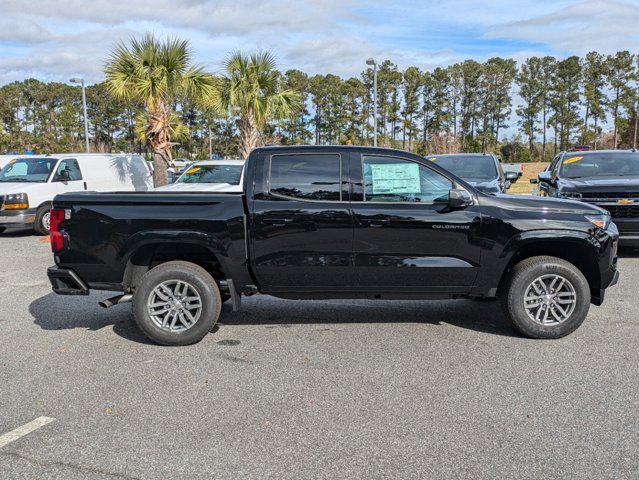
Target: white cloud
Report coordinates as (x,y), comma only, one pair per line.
(53,40)
(602,25)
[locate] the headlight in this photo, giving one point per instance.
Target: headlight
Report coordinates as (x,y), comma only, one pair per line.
(571,195)
(601,221)
(16,201)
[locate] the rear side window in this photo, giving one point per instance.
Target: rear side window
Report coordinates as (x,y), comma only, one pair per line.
(72,169)
(307,177)
(390,179)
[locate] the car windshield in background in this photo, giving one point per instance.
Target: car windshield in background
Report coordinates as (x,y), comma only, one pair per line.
(622,164)
(230,174)
(28,170)
(468,167)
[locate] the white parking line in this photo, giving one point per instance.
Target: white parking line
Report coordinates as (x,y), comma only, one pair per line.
(25,429)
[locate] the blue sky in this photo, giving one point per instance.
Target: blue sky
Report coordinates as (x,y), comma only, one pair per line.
(54,40)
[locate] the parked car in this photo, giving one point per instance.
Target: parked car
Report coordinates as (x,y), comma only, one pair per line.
(209,176)
(606,178)
(334,222)
(482,170)
(28,184)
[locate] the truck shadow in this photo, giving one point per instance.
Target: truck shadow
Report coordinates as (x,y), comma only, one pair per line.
(53,312)
(479,316)
(20,233)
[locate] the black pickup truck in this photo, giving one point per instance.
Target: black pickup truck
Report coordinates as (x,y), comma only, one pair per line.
(606,178)
(333,222)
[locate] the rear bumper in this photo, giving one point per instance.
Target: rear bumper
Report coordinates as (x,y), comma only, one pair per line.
(65,281)
(17,218)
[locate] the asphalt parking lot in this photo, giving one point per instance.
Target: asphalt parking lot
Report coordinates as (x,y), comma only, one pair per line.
(337,389)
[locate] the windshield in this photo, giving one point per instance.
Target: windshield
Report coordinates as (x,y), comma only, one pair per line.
(28,170)
(468,167)
(622,164)
(230,174)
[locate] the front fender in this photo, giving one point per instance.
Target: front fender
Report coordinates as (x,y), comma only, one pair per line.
(573,245)
(526,238)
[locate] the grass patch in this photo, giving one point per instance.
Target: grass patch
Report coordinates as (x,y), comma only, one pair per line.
(523,185)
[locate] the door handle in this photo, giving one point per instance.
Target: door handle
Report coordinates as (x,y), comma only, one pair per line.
(375,222)
(277,221)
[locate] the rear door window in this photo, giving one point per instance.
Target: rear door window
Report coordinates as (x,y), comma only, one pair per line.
(306,177)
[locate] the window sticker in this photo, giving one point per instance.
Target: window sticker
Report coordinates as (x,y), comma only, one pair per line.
(572,160)
(194,170)
(395,178)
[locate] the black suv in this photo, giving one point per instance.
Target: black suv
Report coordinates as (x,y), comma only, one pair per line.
(606,178)
(482,170)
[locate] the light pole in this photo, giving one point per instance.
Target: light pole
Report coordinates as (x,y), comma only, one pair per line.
(372,62)
(84,109)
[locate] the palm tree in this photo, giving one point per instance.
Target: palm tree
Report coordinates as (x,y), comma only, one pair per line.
(157,74)
(251,88)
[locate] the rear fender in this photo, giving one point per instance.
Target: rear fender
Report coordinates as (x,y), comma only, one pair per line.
(140,240)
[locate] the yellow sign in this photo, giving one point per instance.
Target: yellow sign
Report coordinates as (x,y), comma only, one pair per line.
(194,170)
(572,160)
(432,159)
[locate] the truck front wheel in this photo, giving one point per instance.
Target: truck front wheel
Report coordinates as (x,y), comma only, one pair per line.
(176,303)
(546,297)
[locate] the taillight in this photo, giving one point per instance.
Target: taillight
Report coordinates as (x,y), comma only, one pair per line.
(58,238)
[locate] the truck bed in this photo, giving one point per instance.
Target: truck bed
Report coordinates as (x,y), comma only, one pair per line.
(106,229)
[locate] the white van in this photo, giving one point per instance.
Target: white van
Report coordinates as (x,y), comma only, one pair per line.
(29,183)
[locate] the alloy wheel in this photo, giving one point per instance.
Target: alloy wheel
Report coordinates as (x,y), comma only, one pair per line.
(174,306)
(550,299)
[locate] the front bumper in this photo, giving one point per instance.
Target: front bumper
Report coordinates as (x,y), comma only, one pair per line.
(65,281)
(626,218)
(17,218)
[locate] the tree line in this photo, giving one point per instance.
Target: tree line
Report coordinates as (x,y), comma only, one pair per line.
(526,112)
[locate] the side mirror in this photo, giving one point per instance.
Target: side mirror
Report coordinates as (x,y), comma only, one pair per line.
(512,177)
(545,177)
(534,181)
(459,198)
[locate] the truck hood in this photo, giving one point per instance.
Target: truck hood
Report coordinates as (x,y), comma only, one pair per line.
(545,204)
(20,187)
(628,184)
(199,187)
(483,185)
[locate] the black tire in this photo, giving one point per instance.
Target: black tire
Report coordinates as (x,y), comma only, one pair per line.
(522,276)
(2,229)
(41,223)
(199,279)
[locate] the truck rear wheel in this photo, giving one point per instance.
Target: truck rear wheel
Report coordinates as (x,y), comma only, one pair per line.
(176,303)
(546,297)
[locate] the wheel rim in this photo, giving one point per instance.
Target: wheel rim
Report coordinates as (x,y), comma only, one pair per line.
(46,220)
(174,306)
(550,299)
